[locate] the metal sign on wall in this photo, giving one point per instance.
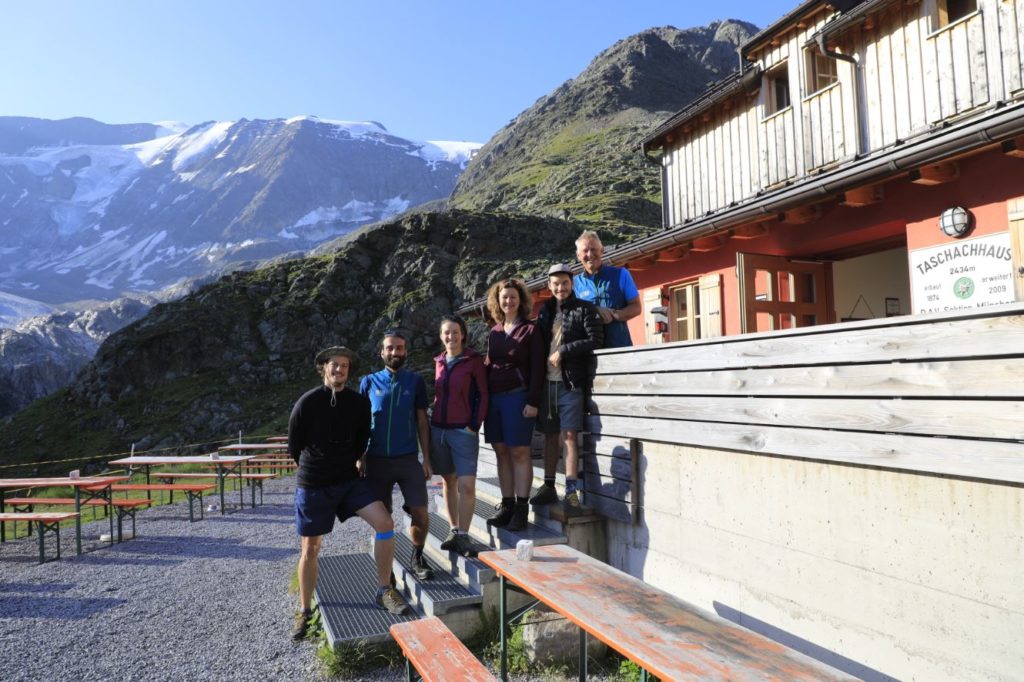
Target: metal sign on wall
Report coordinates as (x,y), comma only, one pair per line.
(968,273)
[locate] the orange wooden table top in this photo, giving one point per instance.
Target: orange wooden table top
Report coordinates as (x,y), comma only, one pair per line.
(660,632)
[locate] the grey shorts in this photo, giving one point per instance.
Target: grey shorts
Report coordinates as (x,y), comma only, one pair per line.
(453,450)
(382,473)
(560,409)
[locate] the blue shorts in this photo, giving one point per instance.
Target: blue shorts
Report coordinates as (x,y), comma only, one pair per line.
(453,450)
(505,421)
(560,409)
(316,508)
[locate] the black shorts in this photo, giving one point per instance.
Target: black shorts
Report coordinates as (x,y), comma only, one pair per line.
(382,473)
(316,508)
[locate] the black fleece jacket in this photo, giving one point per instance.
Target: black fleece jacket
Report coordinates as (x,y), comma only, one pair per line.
(327,440)
(582,334)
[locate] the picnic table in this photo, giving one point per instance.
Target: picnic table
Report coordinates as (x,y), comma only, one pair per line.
(92,487)
(254,446)
(661,633)
(225,464)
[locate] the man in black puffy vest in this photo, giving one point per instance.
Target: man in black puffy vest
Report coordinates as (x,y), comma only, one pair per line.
(572,330)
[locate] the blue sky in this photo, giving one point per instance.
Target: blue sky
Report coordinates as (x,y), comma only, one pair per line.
(427,70)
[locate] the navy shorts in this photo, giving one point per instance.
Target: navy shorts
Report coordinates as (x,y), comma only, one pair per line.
(505,421)
(454,450)
(560,409)
(316,508)
(382,473)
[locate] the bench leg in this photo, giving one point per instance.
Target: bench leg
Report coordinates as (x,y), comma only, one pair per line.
(42,543)
(583,655)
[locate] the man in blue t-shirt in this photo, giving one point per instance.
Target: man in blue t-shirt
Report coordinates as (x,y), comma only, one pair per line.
(398,408)
(610,288)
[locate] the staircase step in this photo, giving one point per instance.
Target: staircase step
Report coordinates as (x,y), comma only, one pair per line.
(345,592)
(436,596)
(470,572)
(502,538)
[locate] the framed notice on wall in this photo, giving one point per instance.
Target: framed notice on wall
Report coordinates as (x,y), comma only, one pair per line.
(963,274)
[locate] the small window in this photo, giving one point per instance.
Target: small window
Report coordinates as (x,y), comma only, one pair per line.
(777,89)
(822,71)
(954,10)
(685,312)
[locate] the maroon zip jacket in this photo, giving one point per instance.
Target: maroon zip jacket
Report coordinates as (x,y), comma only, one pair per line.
(516,360)
(460,394)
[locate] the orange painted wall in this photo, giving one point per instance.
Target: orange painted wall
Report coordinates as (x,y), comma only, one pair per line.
(908,211)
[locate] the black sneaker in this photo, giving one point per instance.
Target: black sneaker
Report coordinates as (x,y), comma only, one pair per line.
(419,567)
(300,624)
(449,542)
(520,518)
(392,602)
(503,515)
(464,546)
(546,494)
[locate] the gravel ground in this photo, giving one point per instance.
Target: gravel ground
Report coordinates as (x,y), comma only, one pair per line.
(183,601)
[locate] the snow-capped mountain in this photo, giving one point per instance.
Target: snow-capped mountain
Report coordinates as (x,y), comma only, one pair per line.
(91,211)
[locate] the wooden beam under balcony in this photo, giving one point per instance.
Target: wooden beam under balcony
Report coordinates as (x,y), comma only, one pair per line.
(863,196)
(935,174)
(751,231)
(642,263)
(1014,147)
(802,214)
(706,244)
(674,253)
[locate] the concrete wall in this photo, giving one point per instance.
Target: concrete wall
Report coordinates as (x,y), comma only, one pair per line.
(881,573)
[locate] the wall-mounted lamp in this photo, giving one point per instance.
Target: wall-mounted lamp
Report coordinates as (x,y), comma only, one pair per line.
(955,222)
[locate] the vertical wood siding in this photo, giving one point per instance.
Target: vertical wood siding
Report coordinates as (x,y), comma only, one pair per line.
(914,77)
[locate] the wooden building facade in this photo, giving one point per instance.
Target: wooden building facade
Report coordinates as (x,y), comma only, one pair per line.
(812,187)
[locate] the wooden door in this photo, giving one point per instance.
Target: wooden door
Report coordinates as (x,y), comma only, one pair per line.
(782,293)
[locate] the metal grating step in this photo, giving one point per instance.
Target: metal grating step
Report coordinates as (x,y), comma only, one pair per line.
(437,595)
(467,571)
(345,592)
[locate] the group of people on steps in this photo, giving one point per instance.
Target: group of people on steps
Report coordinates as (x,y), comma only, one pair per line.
(352,447)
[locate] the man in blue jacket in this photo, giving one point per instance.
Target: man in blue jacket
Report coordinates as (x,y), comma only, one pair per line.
(398,405)
(608,287)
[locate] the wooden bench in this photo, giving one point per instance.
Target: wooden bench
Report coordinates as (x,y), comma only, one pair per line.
(126,507)
(435,653)
(46,522)
(656,630)
(253,480)
(192,491)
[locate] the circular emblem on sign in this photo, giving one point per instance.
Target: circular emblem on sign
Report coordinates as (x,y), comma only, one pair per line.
(963,287)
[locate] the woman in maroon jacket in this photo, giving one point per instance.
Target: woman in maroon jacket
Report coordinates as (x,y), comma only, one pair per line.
(515,379)
(460,404)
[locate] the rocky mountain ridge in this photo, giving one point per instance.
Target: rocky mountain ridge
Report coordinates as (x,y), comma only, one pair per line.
(43,354)
(89,210)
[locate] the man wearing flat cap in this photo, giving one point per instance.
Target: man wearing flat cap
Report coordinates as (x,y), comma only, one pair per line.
(572,330)
(327,433)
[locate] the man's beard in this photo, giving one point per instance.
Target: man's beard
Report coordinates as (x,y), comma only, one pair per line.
(394,362)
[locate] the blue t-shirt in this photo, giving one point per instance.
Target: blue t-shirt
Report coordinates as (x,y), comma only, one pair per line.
(613,288)
(394,399)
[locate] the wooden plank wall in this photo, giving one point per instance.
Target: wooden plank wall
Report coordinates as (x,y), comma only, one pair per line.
(937,394)
(914,76)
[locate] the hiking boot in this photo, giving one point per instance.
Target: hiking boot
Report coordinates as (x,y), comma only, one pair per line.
(503,515)
(464,546)
(520,517)
(571,504)
(449,542)
(546,494)
(420,569)
(392,602)
(300,624)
